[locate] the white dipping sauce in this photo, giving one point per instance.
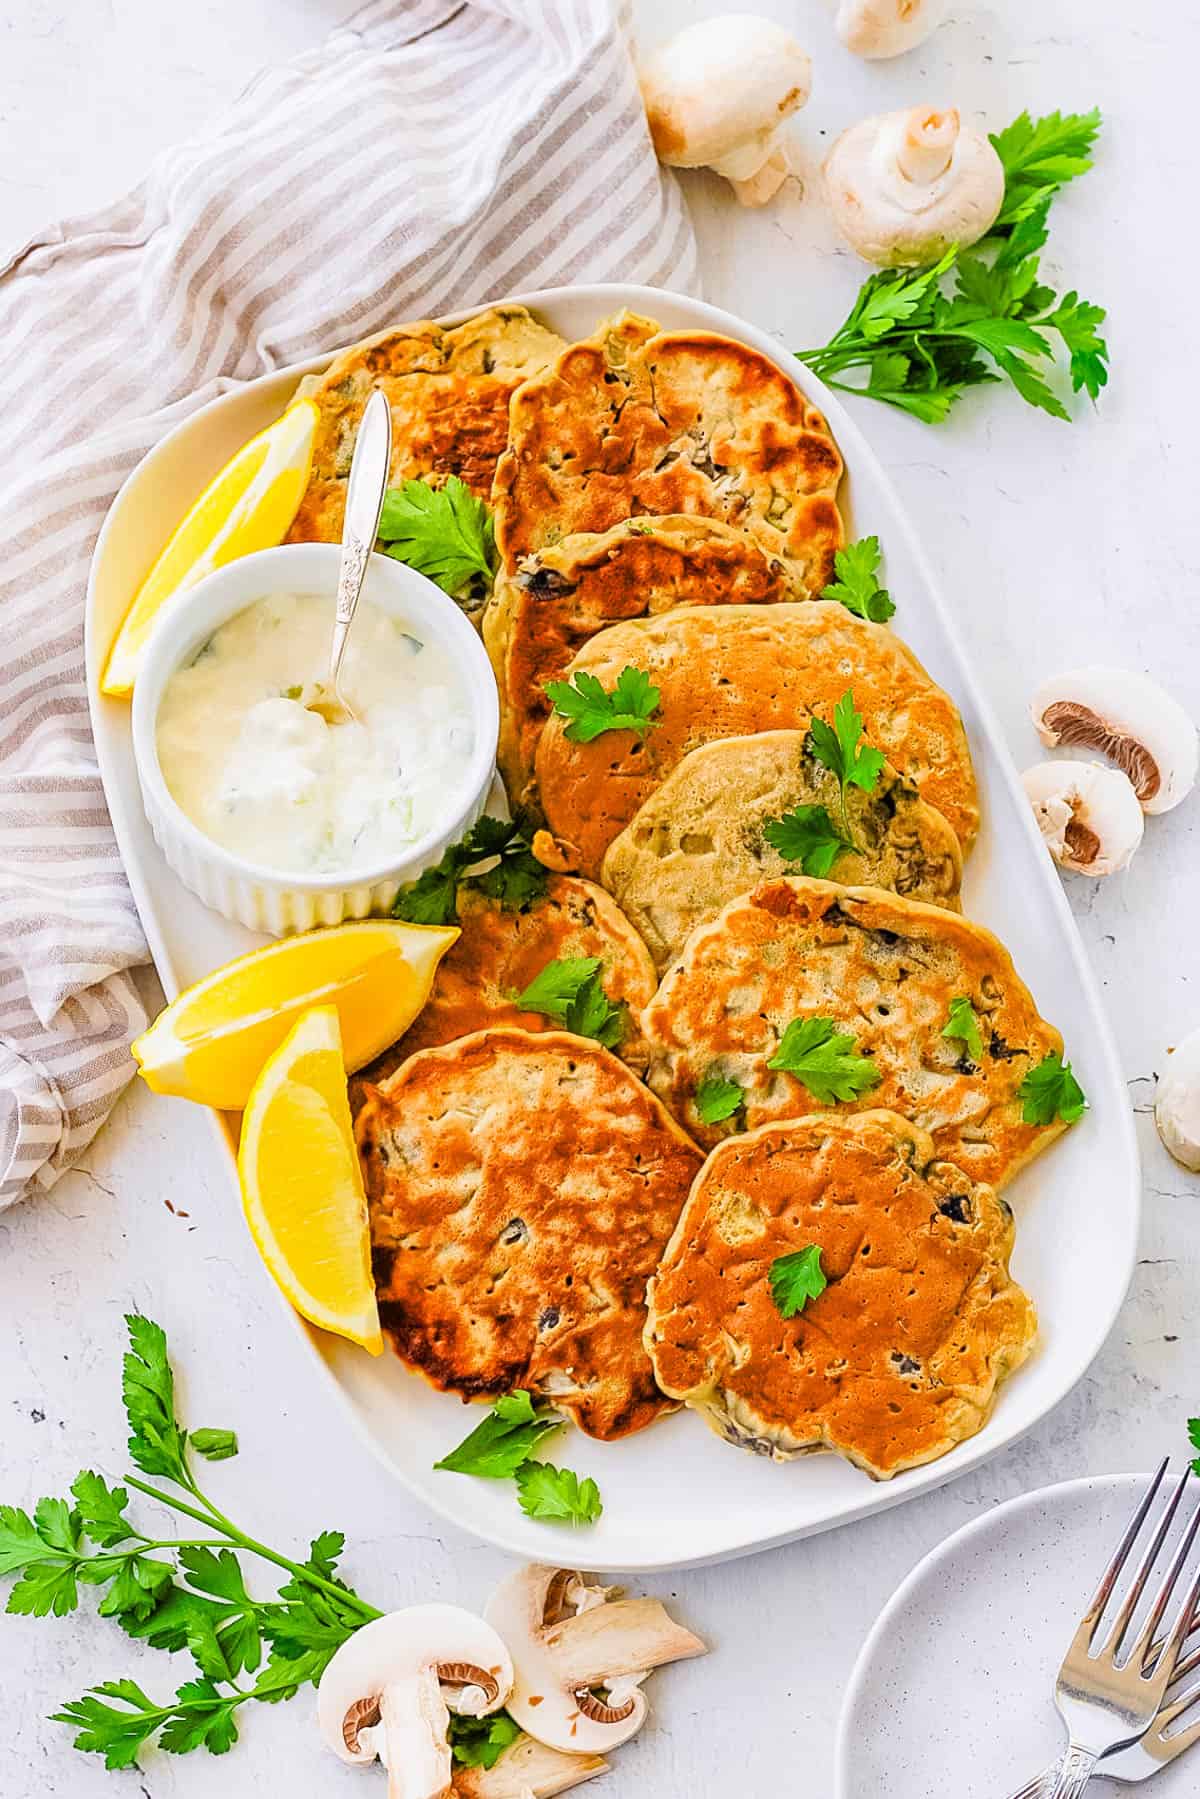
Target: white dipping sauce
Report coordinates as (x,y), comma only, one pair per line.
(270,780)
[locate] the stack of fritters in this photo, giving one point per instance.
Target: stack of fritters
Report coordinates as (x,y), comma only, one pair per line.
(667,501)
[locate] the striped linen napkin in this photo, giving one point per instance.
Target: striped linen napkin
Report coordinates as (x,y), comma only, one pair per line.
(428,155)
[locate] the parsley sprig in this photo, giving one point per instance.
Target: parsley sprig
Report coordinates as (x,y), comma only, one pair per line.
(591,710)
(718,1098)
(444,532)
(857,585)
(825,1060)
(501,1448)
(797,1278)
(513,877)
(923,336)
(174,1592)
(963,1025)
(570,992)
(841,748)
(808,836)
(1051,1091)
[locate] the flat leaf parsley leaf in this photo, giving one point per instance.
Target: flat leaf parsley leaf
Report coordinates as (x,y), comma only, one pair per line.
(557,1494)
(840,748)
(857,586)
(480,1742)
(797,1278)
(514,877)
(963,1025)
(592,710)
(1051,1091)
(1041,156)
(443,532)
(505,1439)
(1194,1435)
(717,1099)
(570,992)
(825,1060)
(807,835)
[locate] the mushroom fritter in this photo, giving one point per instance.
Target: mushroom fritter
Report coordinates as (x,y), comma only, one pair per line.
(563,594)
(731,671)
(700,839)
(899,1358)
(637,420)
(448,388)
(521,1189)
(881,969)
(498,954)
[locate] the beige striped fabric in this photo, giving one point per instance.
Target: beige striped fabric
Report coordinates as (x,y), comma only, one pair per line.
(428,155)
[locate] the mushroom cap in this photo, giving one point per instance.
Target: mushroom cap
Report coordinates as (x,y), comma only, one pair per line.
(717,92)
(878,28)
(1087,813)
(1177,1102)
(1130,719)
(904,186)
(397,1648)
(562,1653)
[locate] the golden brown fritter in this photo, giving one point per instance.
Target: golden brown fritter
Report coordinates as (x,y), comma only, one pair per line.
(883,969)
(521,1188)
(564,593)
(635,420)
(730,671)
(699,841)
(499,952)
(448,389)
(900,1357)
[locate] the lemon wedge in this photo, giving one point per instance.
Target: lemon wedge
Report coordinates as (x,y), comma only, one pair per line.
(248,506)
(211,1042)
(301,1183)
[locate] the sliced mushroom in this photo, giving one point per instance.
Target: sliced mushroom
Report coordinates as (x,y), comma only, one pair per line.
(1128,718)
(579,1654)
(878,28)
(716,95)
(528,1770)
(1088,814)
(905,186)
(1177,1102)
(389,1689)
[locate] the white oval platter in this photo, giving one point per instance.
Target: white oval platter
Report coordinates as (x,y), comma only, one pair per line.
(676,1495)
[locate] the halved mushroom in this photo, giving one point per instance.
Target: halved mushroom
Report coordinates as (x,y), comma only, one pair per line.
(878,28)
(389,1690)
(527,1770)
(905,186)
(579,1655)
(1130,719)
(1088,814)
(1177,1103)
(716,95)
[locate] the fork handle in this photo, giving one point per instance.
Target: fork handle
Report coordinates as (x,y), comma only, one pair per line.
(1074,1772)
(1041,1786)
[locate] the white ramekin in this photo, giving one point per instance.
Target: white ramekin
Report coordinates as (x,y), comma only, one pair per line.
(278,900)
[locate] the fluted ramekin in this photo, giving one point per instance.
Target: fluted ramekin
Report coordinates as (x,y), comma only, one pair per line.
(280,900)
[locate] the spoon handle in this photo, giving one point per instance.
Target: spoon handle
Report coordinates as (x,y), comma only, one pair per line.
(364,503)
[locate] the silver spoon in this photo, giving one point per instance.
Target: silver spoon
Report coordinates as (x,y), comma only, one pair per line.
(364,502)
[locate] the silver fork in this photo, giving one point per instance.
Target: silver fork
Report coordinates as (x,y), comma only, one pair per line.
(1112,1708)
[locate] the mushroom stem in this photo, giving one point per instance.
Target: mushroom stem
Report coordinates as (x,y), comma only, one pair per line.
(411,1736)
(626,1636)
(926,146)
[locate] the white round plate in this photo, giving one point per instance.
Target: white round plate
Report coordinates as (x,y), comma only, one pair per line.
(676,1495)
(953,1693)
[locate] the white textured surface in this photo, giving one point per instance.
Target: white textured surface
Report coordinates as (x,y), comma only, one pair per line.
(1060,543)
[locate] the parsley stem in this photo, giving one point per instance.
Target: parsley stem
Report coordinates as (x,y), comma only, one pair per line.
(235,1536)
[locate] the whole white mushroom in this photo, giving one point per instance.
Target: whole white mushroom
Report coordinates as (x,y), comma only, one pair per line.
(904,186)
(1177,1102)
(879,28)
(717,94)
